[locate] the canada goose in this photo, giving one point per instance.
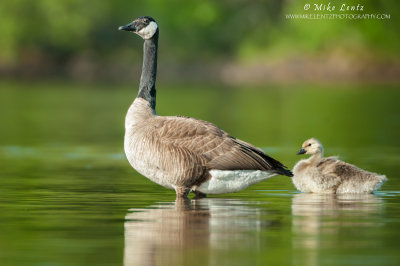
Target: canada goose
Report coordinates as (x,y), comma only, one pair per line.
(330,175)
(184,153)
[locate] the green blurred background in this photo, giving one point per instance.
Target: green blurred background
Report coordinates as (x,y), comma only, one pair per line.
(229,41)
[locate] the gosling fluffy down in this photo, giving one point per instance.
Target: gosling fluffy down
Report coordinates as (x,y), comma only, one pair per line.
(330,175)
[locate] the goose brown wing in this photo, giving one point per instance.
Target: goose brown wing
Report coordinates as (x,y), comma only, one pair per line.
(220,150)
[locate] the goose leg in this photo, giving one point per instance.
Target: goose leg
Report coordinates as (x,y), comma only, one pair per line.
(199,195)
(182,192)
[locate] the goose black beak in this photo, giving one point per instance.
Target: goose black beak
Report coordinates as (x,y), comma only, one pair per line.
(128,27)
(301,151)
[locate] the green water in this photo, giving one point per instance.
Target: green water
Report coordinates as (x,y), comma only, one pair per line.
(69,197)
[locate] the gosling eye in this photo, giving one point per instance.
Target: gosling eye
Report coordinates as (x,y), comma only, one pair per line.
(309,144)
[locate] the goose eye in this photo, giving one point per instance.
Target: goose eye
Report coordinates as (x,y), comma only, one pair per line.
(309,144)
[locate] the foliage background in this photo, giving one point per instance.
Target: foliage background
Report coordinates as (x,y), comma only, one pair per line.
(213,39)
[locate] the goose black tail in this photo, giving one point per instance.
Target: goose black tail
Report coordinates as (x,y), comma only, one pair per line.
(284,171)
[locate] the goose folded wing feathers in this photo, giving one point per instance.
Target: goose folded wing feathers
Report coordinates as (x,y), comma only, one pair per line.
(215,148)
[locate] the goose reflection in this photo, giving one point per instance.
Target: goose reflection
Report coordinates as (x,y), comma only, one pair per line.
(175,233)
(320,219)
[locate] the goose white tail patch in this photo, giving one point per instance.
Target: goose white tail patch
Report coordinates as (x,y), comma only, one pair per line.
(223,181)
(148,31)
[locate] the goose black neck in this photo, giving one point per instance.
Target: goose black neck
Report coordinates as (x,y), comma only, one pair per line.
(147,87)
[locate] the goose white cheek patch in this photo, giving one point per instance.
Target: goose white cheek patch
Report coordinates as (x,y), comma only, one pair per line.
(149,31)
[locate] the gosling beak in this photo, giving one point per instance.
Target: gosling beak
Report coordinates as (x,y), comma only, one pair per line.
(128,27)
(301,151)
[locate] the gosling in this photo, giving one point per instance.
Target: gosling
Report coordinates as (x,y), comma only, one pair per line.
(330,175)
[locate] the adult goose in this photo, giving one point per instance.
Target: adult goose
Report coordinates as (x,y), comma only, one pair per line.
(182,153)
(330,175)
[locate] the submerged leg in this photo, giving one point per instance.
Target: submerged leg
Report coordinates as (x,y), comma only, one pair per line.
(199,195)
(182,192)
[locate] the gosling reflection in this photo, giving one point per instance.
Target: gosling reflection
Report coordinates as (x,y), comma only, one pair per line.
(172,233)
(318,218)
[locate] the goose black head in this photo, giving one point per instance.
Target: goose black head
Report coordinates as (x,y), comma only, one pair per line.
(146,27)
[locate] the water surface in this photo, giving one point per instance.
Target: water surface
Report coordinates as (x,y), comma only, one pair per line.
(69,197)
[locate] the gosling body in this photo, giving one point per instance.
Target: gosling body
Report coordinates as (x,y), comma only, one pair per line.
(330,175)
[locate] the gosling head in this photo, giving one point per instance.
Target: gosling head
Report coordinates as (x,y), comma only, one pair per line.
(311,146)
(146,27)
